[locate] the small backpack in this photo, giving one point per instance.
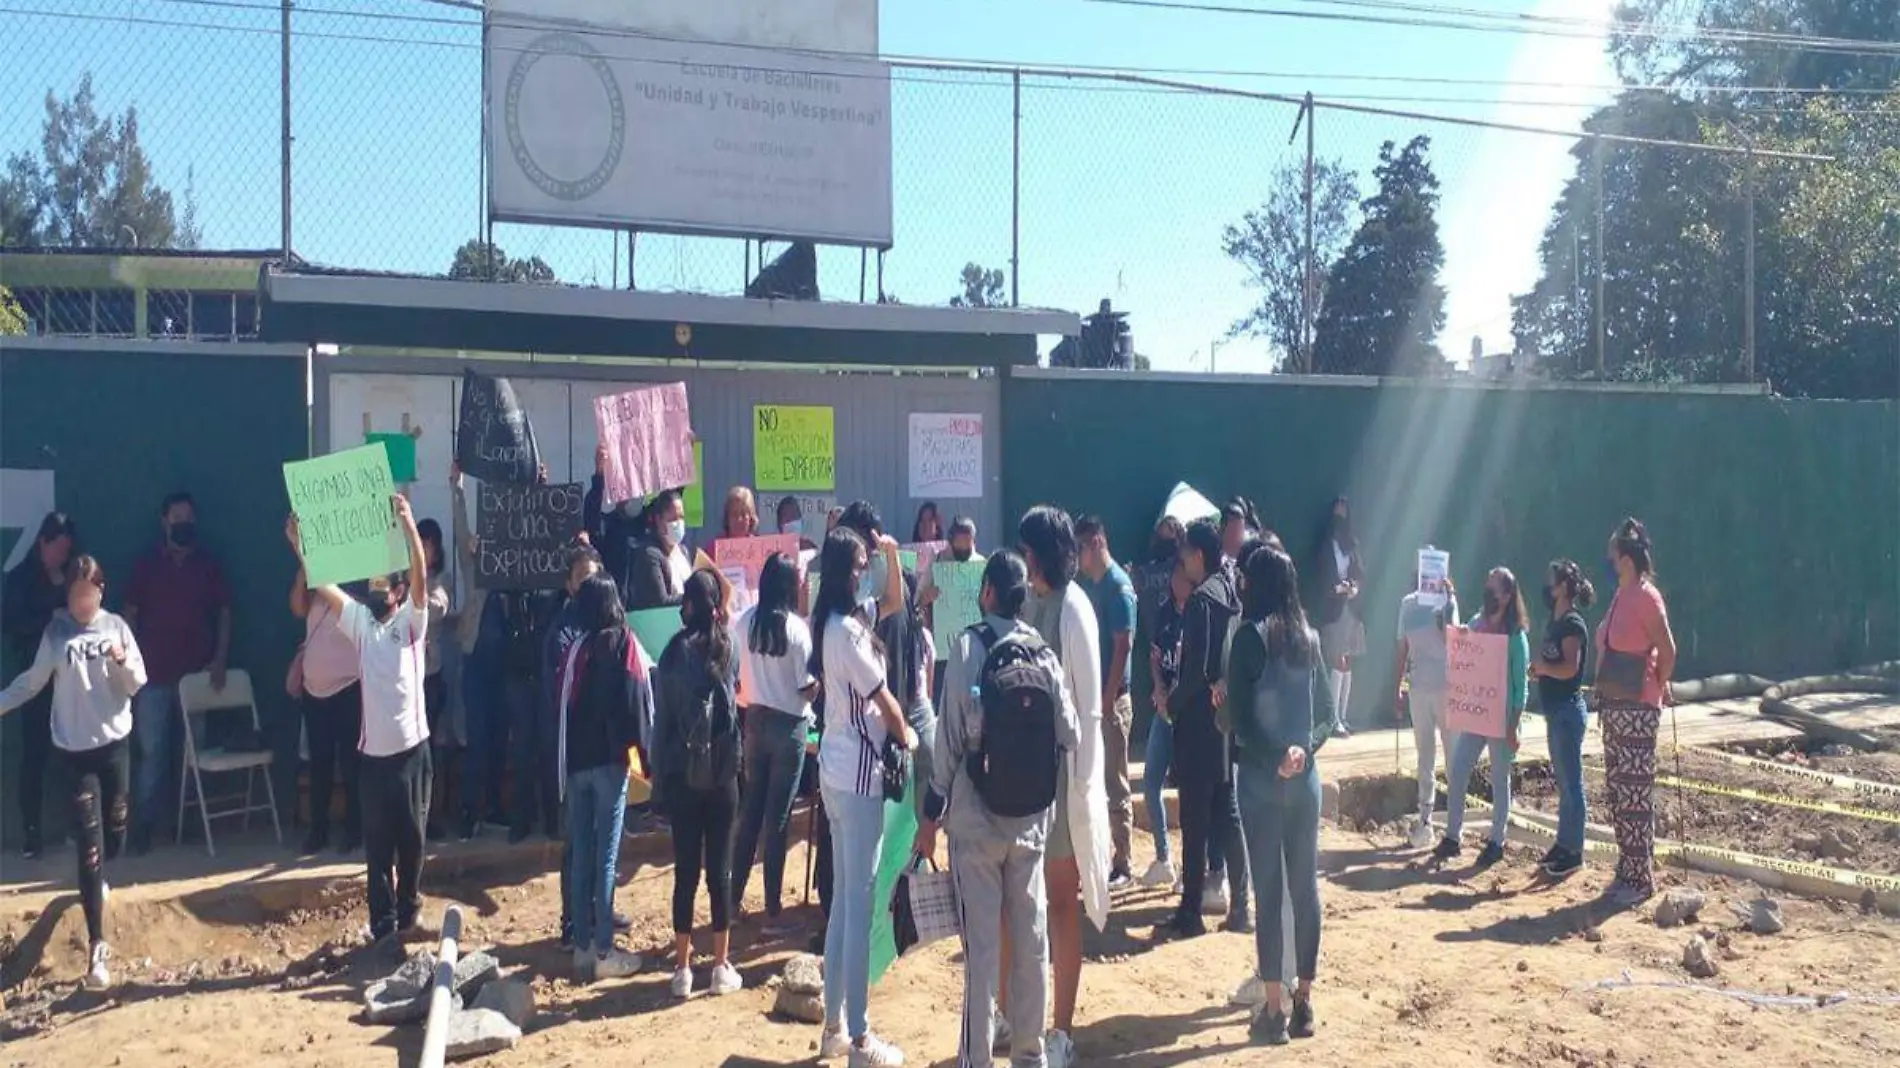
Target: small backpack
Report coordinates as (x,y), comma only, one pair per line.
(1016,766)
(708,757)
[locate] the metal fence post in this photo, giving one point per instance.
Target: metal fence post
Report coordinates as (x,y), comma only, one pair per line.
(1748,270)
(1016,190)
(284,128)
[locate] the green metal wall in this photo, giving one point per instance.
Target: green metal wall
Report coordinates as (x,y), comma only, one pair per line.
(121,427)
(1776,522)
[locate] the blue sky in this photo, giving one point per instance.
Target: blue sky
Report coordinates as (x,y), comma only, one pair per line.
(1124,189)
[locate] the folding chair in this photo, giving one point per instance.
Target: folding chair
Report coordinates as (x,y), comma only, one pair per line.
(196,698)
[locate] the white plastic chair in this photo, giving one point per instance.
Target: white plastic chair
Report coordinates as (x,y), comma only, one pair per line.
(196,697)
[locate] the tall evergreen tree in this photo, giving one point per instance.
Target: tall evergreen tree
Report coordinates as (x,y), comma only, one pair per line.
(90,187)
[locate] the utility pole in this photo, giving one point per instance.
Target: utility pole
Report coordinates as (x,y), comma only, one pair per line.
(284,130)
(1596,155)
(1748,270)
(1303,360)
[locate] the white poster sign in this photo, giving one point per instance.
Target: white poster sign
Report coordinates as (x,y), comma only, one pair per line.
(818,25)
(605,128)
(25,498)
(1434,571)
(946,454)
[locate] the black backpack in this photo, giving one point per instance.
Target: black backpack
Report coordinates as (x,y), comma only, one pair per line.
(705,721)
(1016,767)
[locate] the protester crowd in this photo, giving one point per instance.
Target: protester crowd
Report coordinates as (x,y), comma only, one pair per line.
(1011,736)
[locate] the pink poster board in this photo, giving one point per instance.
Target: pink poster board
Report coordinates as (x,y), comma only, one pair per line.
(1475,686)
(750,553)
(648,435)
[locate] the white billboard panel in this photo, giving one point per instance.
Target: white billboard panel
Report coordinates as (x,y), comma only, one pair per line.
(818,25)
(603,128)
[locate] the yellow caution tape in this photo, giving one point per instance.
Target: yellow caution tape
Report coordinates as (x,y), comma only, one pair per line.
(1863,787)
(1783,800)
(1859,879)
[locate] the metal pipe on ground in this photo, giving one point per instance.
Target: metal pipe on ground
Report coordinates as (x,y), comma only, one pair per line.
(435,1039)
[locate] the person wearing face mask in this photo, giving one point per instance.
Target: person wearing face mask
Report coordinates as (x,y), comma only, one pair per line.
(1503,614)
(390,630)
(657,565)
(1559,671)
(330,694)
(1337,574)
(908,660)
(1636,656)
(180,607)
(35,591)
(1421,661)
(92,660)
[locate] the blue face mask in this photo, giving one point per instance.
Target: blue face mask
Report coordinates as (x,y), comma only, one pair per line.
(871,582)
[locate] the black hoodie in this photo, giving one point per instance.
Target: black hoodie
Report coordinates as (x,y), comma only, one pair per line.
(1204,631)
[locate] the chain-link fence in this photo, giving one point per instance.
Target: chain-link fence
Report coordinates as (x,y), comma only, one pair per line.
(1077,188)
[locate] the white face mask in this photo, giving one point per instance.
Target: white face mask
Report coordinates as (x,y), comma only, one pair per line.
(792,526)
(676,531)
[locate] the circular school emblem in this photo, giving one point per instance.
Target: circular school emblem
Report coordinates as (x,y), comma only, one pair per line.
(565,44)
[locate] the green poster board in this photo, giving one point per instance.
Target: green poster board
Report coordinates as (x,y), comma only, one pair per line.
(654,627)
(342,503)
(402,454)
(959,584)
(900,837)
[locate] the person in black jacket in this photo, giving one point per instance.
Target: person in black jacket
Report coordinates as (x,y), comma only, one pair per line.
(527,615)
(1202,767)
(696,773)
(603,703)
(34,590)
(1337,574)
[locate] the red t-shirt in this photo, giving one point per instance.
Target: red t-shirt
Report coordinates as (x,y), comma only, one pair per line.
(177,601)
(1635,612)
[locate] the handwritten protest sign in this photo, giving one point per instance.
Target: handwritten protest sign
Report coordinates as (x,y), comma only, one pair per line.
(342,504)
(919,555)
(959,585)
(749,554)
(741,596)
(402,454)
(524,534)
(494,441)
(1475,686)
(648,435)
(793,447)
(946,454)
(654,627)
(1434,572)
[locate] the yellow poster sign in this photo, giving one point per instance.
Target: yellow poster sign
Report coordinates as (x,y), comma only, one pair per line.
(793,447)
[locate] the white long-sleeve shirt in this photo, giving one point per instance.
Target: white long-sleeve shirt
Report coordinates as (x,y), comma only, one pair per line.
(92,692)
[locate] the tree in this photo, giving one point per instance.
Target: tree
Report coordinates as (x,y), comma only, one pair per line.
(480,261)
(1270,242)
(1707,57)
(90,187)
(191,232)
(1384,307)
(12,316)
(981,288)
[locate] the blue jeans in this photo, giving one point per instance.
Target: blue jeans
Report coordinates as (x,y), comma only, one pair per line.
(1154,776)
(596,811)
(1564,728)
(857,833)
(1465,751)
(1280,818)
(156,754)
(774,756)
(486,719)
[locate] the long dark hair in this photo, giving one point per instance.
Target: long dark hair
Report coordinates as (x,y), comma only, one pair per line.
(1332,528)
(1515,618)
(1161,546)
(778,587)
(837,586)
(928,508)
(699,619)
(1007,576)
(597,606)
(1272,598)
(53,526)
(1242,509)
(1576,586)
(1050,536)
(1632,540)
(1203,538)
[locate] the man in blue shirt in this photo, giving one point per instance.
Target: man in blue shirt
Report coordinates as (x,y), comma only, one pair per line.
(1113,598)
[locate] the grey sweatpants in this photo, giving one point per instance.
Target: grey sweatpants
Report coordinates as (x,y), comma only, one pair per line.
(1000,882)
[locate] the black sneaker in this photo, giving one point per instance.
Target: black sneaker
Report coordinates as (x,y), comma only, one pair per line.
(1238,923)
(1187,925)
(1340,730)
(316,842)
(1448,849)
(1268,1028)
(1490,854)
(1563,863)
(1301,1026)
(1551,854)
(31,846)
(1119,880)
(623,922)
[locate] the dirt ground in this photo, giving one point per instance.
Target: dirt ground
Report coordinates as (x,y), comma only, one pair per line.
(1447,969)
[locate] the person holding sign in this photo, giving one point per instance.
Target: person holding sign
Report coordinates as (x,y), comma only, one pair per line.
(1558,670)
(1503,615)
(395,771)
(1423,616)
(1636,655)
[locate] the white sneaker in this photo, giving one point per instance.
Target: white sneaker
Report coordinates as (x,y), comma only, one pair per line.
(874,1052)
(1423,835)
(97,977)
(1214,899)
(1252,993)
(1160,875)
(725,979)
(1058,1050)
(619,964)
(683,982)
(834,1043)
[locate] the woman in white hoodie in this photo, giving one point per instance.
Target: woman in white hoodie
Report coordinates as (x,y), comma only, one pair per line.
(93,662)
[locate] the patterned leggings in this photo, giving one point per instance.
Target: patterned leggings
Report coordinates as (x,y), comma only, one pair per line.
(1629,757)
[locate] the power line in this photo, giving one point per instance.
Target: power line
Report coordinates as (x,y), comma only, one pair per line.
(982,65)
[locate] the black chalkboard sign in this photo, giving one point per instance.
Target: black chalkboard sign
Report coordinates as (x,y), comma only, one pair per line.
(494,441)
(524,534)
